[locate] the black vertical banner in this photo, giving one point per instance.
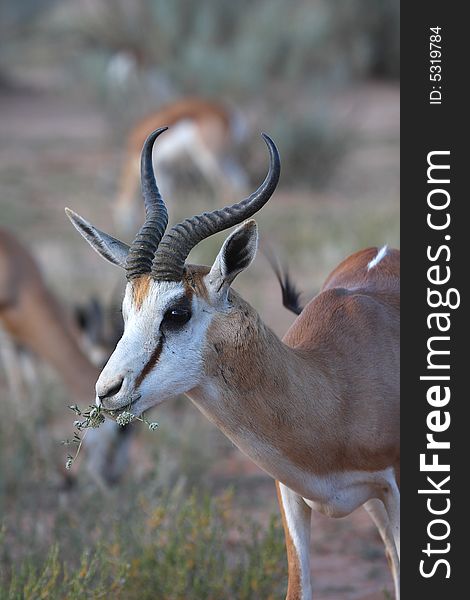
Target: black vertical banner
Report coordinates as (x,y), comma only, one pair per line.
(435,322)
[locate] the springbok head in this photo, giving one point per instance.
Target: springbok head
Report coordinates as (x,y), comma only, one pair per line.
(169,306)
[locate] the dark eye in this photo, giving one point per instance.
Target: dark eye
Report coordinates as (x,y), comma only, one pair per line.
(177,316)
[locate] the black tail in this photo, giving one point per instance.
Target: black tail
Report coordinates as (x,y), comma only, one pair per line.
(290,294)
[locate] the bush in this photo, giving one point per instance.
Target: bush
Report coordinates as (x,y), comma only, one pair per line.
(178,549)
(270,58)
(242,47)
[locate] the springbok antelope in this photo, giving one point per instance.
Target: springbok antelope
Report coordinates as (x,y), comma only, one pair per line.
(202,131)
(32,319)
(100,329)
(318,411)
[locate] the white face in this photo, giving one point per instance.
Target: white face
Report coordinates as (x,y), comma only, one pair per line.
(160,353)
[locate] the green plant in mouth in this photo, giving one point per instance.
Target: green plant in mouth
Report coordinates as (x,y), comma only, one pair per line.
(92,418)
(124,418)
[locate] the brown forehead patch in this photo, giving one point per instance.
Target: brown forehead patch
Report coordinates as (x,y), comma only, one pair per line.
(140,288)
(193,281)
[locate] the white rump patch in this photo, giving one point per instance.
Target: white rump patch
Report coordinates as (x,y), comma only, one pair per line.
(375,261)
(176,142)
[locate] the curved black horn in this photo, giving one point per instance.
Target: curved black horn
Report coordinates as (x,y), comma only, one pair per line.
(145,244)
(168,264)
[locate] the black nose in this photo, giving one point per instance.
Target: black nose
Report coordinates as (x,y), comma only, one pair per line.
(112,391)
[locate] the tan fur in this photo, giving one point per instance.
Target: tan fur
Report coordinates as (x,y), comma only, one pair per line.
(212,117)
(325,400)
(332,386)
(32,317)
(140,288)
(193,281)
(353,273)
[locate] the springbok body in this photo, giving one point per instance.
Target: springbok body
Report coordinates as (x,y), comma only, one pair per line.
(318,411)
(201,131)
(32,319)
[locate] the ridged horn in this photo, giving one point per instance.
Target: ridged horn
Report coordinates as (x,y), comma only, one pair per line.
(168,264)
(145,244)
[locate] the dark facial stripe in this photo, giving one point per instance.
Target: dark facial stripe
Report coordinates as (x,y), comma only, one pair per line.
(150,364)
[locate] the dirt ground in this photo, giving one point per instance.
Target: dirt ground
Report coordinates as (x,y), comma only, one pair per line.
(56,153)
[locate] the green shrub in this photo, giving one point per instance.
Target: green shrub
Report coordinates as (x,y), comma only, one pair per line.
(181,548)
(242,47)
(270,58)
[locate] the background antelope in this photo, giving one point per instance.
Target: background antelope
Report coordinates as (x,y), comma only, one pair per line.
(202,132)
(318,411)
(32,319)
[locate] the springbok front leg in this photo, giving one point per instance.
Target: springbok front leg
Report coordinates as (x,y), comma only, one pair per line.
(391,500)
(296,518)
(379,516)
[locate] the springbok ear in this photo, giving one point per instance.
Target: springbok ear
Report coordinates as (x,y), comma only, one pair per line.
(110,248)
(236,254)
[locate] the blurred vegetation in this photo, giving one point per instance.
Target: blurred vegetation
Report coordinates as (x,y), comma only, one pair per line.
(266,42)
(176,548)
(275,56)
(18,17)
(269,58)
(164,531)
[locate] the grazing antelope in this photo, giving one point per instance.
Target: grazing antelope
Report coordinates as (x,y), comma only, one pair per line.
(202,131)
(100,329)
(318,411)
(32,319)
